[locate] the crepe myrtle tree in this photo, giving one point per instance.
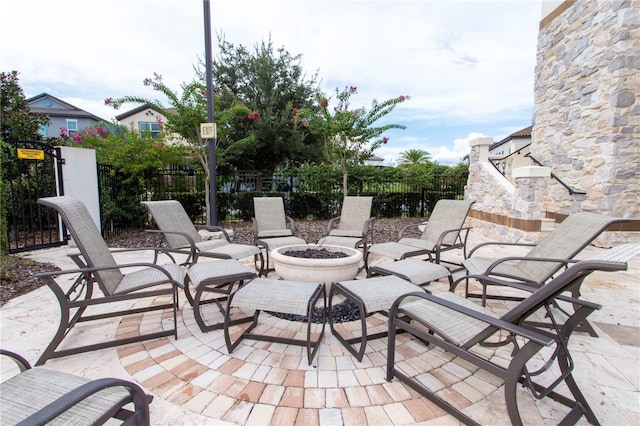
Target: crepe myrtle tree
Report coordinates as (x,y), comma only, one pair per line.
(348,135)
(187,110)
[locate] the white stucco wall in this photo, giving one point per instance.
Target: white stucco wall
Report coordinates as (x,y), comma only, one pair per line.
(80,178)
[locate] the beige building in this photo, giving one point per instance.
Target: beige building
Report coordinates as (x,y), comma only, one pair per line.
(145,120)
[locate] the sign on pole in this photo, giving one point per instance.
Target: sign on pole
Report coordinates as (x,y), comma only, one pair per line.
(208,130)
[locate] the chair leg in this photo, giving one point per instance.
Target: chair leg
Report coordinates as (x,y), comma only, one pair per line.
(512,378)
(198,304)
(65,323)
(357,352)
(261,270)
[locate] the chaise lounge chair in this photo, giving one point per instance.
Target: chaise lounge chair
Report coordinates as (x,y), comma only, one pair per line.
(181,236)
(553,252)
(270,229)
(148,280)
(38,396)
(443,231)
(466,330)
(354,225)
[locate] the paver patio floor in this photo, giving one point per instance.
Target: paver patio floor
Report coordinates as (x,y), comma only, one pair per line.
(195,380)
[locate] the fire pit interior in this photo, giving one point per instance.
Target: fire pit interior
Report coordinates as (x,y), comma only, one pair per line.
(315,253)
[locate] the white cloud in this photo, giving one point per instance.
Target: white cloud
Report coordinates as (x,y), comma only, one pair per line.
(447,155)
(461,62)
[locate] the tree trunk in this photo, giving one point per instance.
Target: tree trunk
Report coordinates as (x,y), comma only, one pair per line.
(345,179)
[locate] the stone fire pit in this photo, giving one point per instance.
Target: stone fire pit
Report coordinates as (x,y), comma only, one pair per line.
(314,268)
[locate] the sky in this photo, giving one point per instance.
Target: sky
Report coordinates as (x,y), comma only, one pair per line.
(468,66)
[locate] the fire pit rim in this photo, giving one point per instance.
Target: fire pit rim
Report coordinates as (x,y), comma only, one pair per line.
(278,254)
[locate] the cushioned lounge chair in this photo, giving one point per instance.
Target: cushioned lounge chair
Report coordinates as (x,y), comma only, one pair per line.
(181,236)
(467,330)
(553,252)
(141,280)
(354,225)
(38,396)
(270,229)
(443,231)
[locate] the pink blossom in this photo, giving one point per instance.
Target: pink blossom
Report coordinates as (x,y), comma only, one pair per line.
(324,103)
(112,102)
(402,98)
(385,139)
(353,89)
(254,116)
(101,131)
(147,81)
(294,111)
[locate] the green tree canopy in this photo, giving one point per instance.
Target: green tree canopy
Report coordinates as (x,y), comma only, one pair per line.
(16,120)
(273,85)
(348,135)
(413,157)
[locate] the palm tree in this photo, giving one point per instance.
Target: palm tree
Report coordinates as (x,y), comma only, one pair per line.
(413,156)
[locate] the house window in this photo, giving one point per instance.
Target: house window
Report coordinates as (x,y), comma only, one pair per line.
(147,129)
(43,130)
(72,127)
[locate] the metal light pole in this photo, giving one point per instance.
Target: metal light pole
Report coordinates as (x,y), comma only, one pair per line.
(213,187)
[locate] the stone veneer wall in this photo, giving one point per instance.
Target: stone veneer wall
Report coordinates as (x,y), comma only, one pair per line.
(586,127)
(502,211)
(587,111)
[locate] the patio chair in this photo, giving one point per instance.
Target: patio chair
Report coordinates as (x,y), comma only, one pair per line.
(354,225)
(553,252)
(144,281)
(443,231)
(38,396)
(270,229)
(466,330)
(181,236)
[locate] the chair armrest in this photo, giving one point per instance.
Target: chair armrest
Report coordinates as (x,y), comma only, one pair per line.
(292,225)
(77,255)
(332,222)
(492,243)
(22,363)
(368,227)
(254,223)
(407,227)
(498,262)
(443,234)
(192,244)
(79,394)
(219,229)
(48,276)
(489,320)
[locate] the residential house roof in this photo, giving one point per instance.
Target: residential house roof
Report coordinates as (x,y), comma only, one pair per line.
(68,110)
(138,109)
(522,133)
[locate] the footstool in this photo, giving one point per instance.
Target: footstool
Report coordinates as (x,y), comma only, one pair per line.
(370,295)
(280,296)
(419,272)
(217,277)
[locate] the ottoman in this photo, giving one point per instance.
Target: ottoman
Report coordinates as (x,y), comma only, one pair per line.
(217,277)
(285,297)
(370,295)
(419,272)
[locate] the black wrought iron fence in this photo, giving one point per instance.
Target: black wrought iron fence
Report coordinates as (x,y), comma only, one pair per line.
(306,197)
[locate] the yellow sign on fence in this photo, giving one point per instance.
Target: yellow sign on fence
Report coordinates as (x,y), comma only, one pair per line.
(30,154)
